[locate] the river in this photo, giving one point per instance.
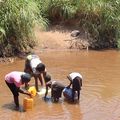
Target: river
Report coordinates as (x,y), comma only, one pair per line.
(100,94)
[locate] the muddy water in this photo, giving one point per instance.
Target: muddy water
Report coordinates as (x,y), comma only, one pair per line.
(100,94)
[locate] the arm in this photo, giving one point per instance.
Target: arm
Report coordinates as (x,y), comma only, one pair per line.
(44,74)
(24,92)
(80,82)
(46,91)
(70,82)
(40,79)
(37,76)
(36,82)
(47,86)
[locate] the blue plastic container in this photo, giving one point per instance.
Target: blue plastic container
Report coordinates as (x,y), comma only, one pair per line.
(67,92)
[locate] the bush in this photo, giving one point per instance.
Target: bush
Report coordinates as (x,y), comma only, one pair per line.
(17,21)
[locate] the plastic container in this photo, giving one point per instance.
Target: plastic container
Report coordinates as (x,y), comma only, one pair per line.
(28,103)
(67,92)
(32,90)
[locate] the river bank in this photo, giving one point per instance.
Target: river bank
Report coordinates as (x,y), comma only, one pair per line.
(56,38)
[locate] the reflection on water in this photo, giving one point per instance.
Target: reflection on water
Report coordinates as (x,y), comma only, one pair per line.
(100,94)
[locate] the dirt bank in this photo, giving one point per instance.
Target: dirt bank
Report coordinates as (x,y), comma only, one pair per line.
(58,38)
(52,39)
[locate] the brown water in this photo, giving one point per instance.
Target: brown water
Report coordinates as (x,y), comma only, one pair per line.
(100,94)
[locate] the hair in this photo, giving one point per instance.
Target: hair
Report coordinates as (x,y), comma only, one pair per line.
(26,77)
(47,78)
(40,67)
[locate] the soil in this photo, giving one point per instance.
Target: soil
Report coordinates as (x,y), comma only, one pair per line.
(56,38)
(52,39)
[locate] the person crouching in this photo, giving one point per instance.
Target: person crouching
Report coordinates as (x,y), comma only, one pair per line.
(56,88)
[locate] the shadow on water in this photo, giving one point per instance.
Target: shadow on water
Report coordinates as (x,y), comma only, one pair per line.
(47,99)
(12,107)
(9,106)
(71,102)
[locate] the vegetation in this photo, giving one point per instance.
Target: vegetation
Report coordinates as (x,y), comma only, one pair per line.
(99,18)
(17,21)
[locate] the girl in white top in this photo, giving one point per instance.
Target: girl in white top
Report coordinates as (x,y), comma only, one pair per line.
(35,67)
(76,82)
(73,75)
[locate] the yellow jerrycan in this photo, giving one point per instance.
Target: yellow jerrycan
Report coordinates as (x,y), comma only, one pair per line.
(28,104)
(32,90)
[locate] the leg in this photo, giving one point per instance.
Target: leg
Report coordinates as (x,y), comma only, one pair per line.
(76,86)
(44,74)
(78,94)
(15,93)
(53,94)
(40,79)
(16,101)
(36,83)
(73,95)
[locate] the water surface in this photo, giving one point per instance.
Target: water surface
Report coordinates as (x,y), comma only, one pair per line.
(100,94)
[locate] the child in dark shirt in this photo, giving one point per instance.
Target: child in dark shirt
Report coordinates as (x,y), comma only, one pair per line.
(56,88)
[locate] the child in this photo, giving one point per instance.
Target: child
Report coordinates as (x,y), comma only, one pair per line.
(14,80)
(76,82)
(56,88)
(35,67)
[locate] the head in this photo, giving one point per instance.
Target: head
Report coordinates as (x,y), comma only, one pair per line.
(47,78)
(40,67)
(25,78)
(78,78)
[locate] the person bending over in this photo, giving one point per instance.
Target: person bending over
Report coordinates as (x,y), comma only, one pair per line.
(35,67)
(14,80)
(76,82)
(56,88)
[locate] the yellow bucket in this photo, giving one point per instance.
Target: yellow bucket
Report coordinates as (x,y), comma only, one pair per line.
(28,103)
(32,90)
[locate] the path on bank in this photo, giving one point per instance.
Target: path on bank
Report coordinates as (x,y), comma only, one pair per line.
(57,38)
(53,39)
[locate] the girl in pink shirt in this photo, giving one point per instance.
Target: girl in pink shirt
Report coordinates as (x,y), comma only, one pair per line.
(14,80)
